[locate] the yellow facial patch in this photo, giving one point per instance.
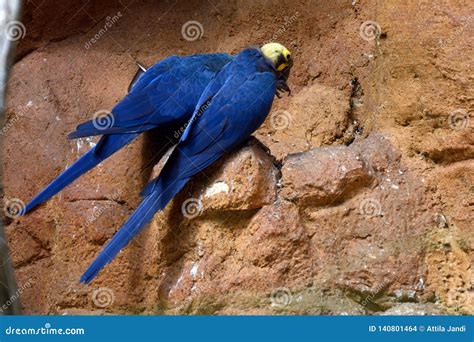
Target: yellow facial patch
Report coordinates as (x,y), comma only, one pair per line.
(277,54)
(282,66)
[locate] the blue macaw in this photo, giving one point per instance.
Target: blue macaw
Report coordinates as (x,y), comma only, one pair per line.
(163,97)
(231,108)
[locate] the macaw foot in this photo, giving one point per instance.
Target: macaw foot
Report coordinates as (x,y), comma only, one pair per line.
(282,86)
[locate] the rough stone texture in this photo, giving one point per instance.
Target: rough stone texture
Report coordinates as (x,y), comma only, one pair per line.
(362,203)
(413,309)
(315,116)
(244,180)
(368,230)
(323,176)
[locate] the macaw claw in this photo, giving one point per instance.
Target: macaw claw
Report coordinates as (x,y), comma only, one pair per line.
(282,86)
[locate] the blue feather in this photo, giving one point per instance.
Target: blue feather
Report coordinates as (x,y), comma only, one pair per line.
(231,108)
(106,146)
(141,216)
(163,97)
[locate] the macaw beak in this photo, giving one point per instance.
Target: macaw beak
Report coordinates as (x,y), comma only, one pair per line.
(283,75)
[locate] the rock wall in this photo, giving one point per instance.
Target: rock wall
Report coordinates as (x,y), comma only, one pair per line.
(355,197)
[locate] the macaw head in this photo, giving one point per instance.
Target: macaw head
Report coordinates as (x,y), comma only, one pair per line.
(280,58)
(278,55)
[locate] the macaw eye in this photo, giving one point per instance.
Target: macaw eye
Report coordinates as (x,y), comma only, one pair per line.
(288,56)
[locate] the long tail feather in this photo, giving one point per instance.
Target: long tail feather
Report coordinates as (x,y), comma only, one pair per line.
(106,146)
(154,201)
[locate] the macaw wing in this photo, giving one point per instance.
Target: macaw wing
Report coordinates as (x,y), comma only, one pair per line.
(234,113)
(153,72)
(165,94)
(225,75)
(140,110)
(173,87)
